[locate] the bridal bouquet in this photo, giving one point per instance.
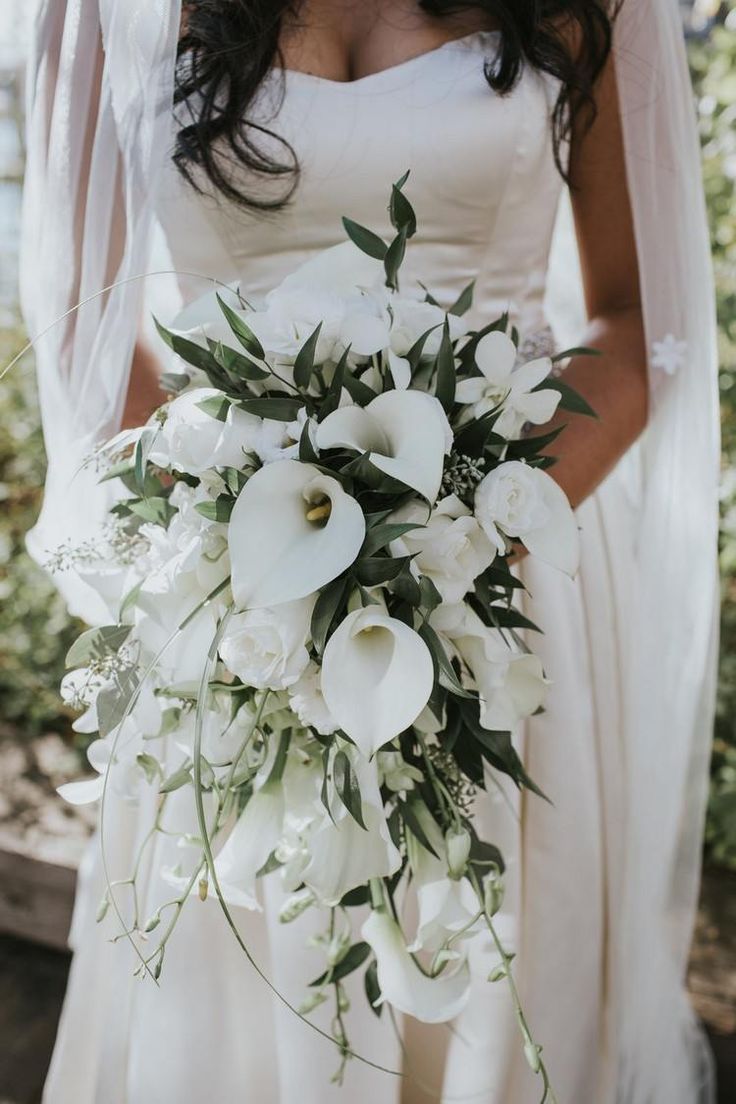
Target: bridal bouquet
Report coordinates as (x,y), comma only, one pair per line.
(313,639)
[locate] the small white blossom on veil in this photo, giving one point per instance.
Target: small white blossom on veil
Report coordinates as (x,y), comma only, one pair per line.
(669,354)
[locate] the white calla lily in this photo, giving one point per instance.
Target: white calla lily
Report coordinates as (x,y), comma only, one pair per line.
(519,501)
(377,677)
(404,985)
(340,268)
(404,433)
(292,530)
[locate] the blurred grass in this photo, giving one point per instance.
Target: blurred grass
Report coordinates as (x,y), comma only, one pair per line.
(35,631)
(713,64)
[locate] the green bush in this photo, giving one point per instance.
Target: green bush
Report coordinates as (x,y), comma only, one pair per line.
(713,64)
(35,630)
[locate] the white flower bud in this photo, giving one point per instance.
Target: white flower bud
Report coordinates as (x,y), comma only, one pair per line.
(493,890)
(531,1053)
(314,1000)
(457,842)
(295,905)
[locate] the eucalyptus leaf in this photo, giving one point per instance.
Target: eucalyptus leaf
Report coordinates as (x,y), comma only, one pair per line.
(346,784)
(278,409)
(365,239)
(242,330)
(219,510)
(97,644)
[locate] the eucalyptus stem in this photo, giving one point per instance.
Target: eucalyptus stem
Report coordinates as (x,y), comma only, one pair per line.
(532,1050)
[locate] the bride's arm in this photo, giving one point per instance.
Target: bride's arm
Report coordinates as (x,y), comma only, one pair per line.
(615,384)
(144,391)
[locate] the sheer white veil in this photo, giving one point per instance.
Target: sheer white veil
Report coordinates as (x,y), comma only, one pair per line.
(100,117)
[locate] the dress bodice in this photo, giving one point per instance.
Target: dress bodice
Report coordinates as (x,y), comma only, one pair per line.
(483,181)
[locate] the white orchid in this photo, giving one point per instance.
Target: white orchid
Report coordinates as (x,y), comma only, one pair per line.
(516,500)
(446,905)
(511,683)
(292,530)
(404,985)
(404,434)
(449,546)
(267,648)
(377,676)
(250,844)
(502,381)
(343,855)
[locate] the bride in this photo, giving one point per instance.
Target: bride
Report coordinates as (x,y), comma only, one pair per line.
(238,160)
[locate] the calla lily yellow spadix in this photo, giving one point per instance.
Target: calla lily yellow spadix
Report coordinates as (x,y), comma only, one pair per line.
(377,677)
(404,433)
(285,543)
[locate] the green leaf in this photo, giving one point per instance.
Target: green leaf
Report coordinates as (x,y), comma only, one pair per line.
(355,957)
(393,259)
(365,239)
(157,511)
(360,392)
(570,399)
(445,369)
(415,353)
(580,350)
(325,610)
(346,784)
(188,350)
(356,897)
(464,301)
(307,451)
(372,988)
(332,398)
(130,598)
(219,510)
(236,365)
(277,770)
(441,662)
(374,570)
(174,382)
(242,330)
(149,765)
(304,363)
(401,211)
(97,644)
(276,409)
(142,451)
(430,596)
(113,701)
(217,406)
(180,777)
(381,535)
(411,821)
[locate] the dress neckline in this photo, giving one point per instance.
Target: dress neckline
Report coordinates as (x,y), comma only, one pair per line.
(425,55)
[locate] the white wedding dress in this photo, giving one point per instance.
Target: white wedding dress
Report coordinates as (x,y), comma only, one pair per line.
(486,192)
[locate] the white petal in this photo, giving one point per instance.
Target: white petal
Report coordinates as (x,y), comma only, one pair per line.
(402,983)
(557,542)
(249,846)
(351,427)
(277,555)
(377,676)
(338,269)
(527,376)
(539,406)
(416,428)
(495,355)
(400,370)
(365,334)
(345,856)
(82,793)
(471,390)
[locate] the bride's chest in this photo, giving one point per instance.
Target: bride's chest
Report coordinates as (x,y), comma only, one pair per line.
(482,171)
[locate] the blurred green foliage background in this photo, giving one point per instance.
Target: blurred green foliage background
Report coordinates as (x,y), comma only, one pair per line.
(35,631)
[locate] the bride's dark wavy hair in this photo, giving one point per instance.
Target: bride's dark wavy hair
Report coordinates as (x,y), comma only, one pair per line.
(229,46)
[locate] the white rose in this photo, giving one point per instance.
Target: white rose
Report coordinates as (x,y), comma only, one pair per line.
(280,440)
(517,500)
(307,701)
(413,317)
(291,317)
(192,440)
(266,648)
(451,548)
